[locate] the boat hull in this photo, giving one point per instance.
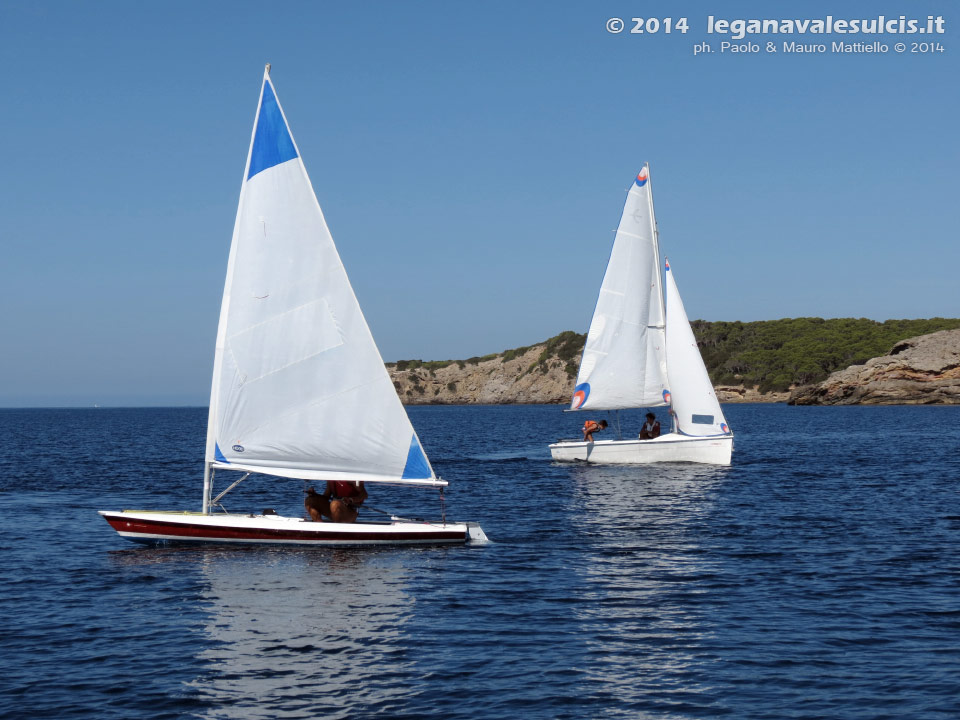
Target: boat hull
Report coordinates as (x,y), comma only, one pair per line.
(185,527)
(672,447)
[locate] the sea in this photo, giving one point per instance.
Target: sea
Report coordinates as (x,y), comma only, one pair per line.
(816,577)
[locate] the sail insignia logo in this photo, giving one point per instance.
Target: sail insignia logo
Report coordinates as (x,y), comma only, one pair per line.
(726,430)
(666,396)
(642,178)
(580,394)
(238,448)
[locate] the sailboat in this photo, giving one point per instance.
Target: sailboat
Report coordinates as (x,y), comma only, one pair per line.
(641,353)
(299,387)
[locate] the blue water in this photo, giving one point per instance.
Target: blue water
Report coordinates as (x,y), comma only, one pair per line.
(818,577)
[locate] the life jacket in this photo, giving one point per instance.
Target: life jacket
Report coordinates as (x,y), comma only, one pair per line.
(345,489)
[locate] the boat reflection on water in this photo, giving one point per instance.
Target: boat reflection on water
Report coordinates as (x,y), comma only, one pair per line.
(302,629)
(633,495)
(295,633)
(645,575)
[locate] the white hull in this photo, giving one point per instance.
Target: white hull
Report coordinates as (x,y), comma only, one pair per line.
(186,527)
(672,447)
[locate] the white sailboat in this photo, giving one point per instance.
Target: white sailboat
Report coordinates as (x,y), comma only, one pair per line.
(641,353)
(299,388)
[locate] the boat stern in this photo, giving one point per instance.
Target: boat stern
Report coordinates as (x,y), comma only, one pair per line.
(476,535)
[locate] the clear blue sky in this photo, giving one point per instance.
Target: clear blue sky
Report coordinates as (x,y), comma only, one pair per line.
(471,159)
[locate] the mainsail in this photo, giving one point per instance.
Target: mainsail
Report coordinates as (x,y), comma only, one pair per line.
(694,402)
(623,359)
(299,387)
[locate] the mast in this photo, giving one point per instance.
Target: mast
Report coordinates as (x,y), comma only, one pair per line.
(211,445)
(661,297)
(656,256)
(206,488)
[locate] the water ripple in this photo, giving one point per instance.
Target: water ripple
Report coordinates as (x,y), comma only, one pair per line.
(816,577)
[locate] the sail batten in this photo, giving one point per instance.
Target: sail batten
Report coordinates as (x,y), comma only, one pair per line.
(299,387)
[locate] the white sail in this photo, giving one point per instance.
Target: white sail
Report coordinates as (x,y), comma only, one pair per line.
(299,387)
(623,359)
(694,402)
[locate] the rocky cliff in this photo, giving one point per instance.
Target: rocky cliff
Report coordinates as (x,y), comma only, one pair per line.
(541,373)
(917,371)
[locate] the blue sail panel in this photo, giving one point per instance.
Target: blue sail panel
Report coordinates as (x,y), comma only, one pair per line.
(218,455)
(272,143)
(417,466)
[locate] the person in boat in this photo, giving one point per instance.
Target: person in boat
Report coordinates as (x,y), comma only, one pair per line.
(651,428)
(340,501)
(590,427)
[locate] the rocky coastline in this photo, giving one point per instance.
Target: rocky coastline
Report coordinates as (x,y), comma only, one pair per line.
(544,373)
(523,379)
(922,370)
(917,371)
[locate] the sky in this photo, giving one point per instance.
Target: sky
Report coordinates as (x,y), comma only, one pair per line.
(471,159)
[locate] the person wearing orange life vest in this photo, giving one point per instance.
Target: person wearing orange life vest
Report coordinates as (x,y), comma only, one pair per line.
(340,501)
(590,427)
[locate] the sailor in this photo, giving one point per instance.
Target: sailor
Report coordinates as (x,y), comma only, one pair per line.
(590,427)
(651,428)
(340,501)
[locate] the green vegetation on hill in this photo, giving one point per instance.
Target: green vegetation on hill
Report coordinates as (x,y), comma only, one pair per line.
(429,364)
(775,354)
(769,354)
(567,347)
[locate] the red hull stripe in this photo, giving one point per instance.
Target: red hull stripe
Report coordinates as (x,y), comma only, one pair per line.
(207,532)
